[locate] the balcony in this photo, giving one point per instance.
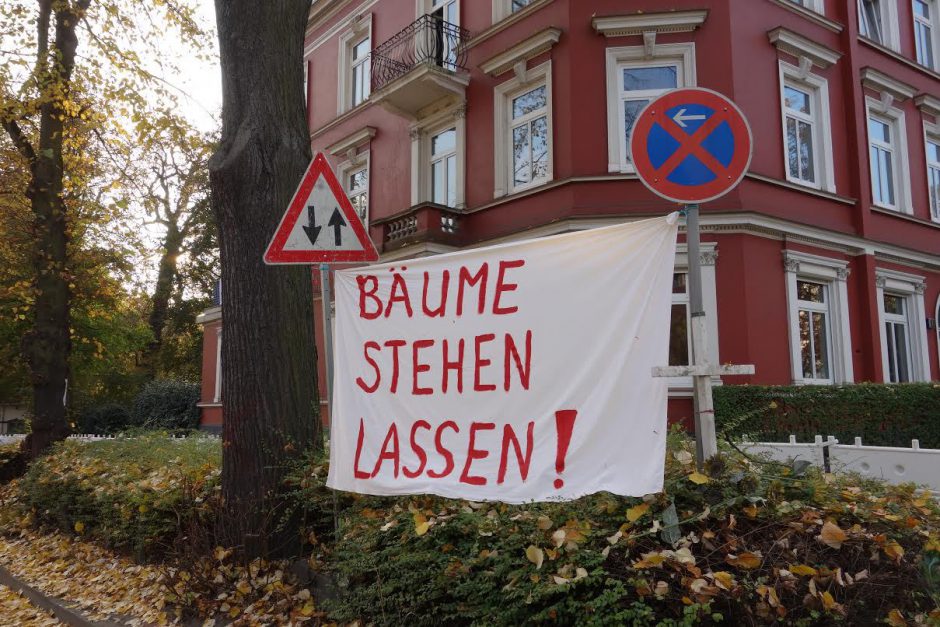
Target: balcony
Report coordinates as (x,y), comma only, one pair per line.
(419,66)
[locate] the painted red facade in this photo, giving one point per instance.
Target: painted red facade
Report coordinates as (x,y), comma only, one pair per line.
(765,244)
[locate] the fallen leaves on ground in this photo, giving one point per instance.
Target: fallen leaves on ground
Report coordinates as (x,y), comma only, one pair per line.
(15,609)
(101,584)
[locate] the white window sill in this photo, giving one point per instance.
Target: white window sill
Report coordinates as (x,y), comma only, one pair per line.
(528,186)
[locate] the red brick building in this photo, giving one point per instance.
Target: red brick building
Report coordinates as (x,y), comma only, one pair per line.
(458,123)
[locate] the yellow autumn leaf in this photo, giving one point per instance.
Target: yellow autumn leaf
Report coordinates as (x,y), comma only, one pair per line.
(896,619)
(535,555)
(832,535)
(544,523)
(827,600)
(635,513)
(802,569)
(143,509)
(79,527)
(751,511)
(724,579)
(650,560)
(421,524)
(244,587)
(745,561)
(932,544)
(698,478)
(894,550)
(307,609)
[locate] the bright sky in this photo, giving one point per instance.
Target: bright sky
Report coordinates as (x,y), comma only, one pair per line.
(201,81)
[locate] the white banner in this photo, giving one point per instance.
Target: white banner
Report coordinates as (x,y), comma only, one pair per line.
(519,372)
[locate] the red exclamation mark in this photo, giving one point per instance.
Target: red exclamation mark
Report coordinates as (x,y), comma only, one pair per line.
(564,424)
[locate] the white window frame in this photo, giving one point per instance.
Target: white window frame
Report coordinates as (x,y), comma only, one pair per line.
(891,37)
(894,117)
(360,30)
(911,287)
(812,5)
(934,25)
(421,134)
(932,136)
(426,7)
(833,273)
(441,158)
(523,81)
(681,387)
(503,9)
(359,161)
(682,55)
(818,88)
(217,393)
(936,324)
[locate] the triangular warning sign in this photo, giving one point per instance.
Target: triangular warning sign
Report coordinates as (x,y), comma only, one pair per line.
(320,225)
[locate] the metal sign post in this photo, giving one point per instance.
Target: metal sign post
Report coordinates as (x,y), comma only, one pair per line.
(326,297)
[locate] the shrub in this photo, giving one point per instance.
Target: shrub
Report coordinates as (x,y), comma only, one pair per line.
(133,494)
(751,543)
(167,405)
(104,419)
(882,415)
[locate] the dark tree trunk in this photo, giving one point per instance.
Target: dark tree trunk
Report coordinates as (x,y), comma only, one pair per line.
(48,344)
(160,302)
(268,351)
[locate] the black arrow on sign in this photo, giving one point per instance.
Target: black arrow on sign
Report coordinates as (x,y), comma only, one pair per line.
(312,230)
(337,222)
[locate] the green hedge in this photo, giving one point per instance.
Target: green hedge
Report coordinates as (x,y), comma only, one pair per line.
(134,494)
(882,415)
(166,404)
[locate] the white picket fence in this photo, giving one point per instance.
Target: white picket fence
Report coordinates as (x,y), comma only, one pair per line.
(90,437)
(892,464)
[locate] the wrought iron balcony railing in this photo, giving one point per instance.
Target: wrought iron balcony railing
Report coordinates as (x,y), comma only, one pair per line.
(428,40)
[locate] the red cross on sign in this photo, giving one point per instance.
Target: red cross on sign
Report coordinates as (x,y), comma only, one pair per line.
(691,145)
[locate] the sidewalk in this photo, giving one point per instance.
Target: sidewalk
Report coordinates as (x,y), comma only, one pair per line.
(99,587)
(16,609)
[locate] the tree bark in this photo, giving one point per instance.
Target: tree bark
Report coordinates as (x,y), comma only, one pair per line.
(268,351)
(160,302)
(48,345)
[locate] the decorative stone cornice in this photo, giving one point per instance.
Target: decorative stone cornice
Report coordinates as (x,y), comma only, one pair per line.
(928,104)
(708,257)
(639,23)
(843,273)
(873,79)
(521,52)
(881,281)
(800,47)
(352,141)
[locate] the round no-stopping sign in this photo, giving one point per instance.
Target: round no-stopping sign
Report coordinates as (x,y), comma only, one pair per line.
(691,145)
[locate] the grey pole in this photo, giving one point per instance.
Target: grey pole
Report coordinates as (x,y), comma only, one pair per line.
(326,298)
(706,442)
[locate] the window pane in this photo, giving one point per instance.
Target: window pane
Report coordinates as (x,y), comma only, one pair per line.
(539,148)
(518,5)
(812,292)
(444,142)
(360,203)
(879,131)
(806,345)
(934,183)
(679,336)
(438,186)
(894,304)
(870,19)
(646,78)
(900,351)
(361,49)
(520,155)
(921,9)
(680,283)
(529,102)
(796,100)
(807,161)
(821,345)
(357,180)
(631,110)
(452,181)
(793,148)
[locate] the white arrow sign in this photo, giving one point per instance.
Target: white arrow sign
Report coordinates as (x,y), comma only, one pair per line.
(681,118)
